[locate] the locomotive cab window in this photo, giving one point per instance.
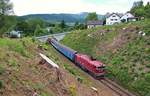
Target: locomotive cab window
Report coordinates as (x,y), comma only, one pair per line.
(100,68)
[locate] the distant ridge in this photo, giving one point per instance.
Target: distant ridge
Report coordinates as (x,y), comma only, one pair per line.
(69,18)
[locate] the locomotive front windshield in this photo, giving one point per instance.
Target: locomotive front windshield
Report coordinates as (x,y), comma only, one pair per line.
(100,68)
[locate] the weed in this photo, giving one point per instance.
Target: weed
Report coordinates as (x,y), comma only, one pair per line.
(2,70)
(13,63)
(147,77)
(148,65)
(80,79)
(46,94)
(70,69)
(133,53)
(38,86)
(72,90)
(1,84)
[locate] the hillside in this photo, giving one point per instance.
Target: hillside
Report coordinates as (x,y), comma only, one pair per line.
(22,75)
(69,18)
(123,48)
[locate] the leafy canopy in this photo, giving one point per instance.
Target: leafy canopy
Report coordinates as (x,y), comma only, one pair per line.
(92,16)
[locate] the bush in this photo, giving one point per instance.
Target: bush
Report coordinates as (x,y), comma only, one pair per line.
(148,66)
(80,79)
(73,90)
(141,87)
(70,69)
(1,84)
(13,63)
(2,70)
(147,77)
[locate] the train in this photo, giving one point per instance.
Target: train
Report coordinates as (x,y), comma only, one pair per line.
(85,62)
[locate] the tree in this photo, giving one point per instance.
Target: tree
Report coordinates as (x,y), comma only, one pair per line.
(76,25)
(39,31)
(6,7)
(22,26)
(57,29)
(62,25)
(138,9)
(29,26)
(92,16)
(138,4)
(147,10)
(79,26)
(7,22)
(139,12)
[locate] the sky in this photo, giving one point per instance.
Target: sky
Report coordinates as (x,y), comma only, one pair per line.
(24,7)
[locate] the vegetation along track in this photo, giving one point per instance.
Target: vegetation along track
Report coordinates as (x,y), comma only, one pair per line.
(116,88)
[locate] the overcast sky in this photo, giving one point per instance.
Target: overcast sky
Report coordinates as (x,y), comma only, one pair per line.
(23,7)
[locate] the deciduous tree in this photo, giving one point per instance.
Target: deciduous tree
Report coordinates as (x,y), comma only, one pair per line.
(92,16)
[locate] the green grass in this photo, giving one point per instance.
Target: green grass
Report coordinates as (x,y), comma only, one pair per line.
(13,45)
(71,69)
(2,69)
(1,84)
(124,63)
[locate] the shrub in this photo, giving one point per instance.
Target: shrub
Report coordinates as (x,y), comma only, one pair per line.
(141,87)
(70,69)
(72,90)
(117,60)
(124,77)
(148,66)
(80,79)
(38,86)
(147,77)
(1,84)
(46,94)
(2,70)
(13,63)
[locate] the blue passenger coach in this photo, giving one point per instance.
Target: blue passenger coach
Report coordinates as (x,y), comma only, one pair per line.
(69,53)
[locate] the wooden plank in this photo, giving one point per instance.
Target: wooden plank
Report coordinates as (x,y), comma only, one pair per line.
(48,60)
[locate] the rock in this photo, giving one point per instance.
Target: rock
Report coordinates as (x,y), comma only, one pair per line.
(140,32)
(124,28)
(89,35)
(143,34)
(95,89)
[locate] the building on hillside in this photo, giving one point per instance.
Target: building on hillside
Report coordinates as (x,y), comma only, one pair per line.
(128,17)
(93,24)
(116,18)
(132,19)
(15,34)
(113,18)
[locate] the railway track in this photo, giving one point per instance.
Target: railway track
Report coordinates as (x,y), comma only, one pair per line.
(116,88)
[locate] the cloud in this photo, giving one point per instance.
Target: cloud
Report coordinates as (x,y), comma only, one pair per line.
(22,7)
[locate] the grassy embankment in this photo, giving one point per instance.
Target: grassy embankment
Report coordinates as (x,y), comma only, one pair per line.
(20,73)
(125,52)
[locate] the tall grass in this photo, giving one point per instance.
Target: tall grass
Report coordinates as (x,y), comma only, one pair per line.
(13,45)
(126,63)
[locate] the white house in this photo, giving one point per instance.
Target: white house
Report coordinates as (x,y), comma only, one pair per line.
(116,18)
(15,34)
(128,16)
(113,18)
